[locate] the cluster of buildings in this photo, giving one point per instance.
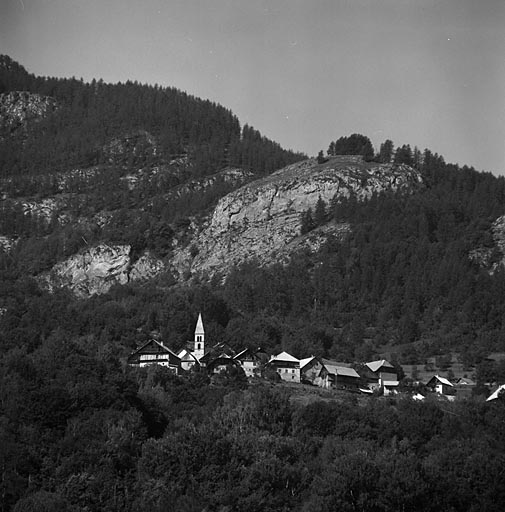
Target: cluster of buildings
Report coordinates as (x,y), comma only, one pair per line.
(321,372)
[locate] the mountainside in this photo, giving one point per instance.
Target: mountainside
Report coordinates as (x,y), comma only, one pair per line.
(126,209)
(262,220)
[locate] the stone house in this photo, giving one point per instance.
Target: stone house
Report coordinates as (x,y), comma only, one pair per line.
(287,366)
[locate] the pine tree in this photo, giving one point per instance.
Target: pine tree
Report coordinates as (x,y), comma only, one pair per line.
(386,152)
(307,222)
(320,213)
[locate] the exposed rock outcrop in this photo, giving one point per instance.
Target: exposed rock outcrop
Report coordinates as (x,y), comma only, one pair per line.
(20,107)
(492,257)
(261,220)
(95,270)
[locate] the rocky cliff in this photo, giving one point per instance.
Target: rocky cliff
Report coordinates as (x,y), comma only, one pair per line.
(95,270)
(20,107)
(261,220)
(492,256)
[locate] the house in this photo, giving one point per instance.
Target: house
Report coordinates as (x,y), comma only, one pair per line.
(390,387)
(221,363)
(441,385)
(335,376)
(287,366)
(188,360)
(497,393)
(310,368)
(464,387)
(154,352)
(251,361)
(378,372)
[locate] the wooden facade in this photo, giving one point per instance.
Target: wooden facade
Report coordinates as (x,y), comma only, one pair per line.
(378,372)
(251,361)
(154,352)
(341,377)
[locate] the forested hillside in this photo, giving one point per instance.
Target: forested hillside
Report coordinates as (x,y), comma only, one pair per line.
(82,164)
(88,117)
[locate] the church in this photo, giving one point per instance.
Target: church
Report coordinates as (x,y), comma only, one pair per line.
(195,350)
(215,359)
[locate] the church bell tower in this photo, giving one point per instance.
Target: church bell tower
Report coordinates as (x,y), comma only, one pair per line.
(199,347)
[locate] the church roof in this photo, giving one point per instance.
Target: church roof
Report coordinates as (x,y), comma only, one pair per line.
(199,325)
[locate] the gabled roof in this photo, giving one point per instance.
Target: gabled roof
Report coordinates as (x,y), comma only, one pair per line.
(186,355)
(335,363)
(159,344)
(284,357)
(246,352)
(496,393)
(465,381)
(304,362)
(442,380)
(343,371)
(380,364)
(242,353)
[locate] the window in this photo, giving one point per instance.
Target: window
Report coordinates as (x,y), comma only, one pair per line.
(198,346)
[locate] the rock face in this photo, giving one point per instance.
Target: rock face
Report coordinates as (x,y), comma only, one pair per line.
(261,220)
(492,258)
(19,107)
(97,269)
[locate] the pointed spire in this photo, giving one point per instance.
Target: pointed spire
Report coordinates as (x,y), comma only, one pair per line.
(199,325)
(199,345)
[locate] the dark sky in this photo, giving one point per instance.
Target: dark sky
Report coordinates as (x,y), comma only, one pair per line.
(430,73)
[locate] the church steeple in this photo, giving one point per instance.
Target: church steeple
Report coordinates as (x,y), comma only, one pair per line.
(199,348)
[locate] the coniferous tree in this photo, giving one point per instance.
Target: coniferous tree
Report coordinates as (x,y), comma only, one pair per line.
(320,212)
(307,222)
(320,157)
(386,152)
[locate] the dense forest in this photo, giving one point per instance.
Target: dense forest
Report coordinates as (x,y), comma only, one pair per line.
(81,431)
(88,117)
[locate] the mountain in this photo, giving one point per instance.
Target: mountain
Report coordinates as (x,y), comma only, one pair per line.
(262,219)
(127,208)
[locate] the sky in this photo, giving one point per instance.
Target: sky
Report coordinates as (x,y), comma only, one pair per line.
(429,73)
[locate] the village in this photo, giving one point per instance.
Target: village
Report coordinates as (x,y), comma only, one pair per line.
(379,377)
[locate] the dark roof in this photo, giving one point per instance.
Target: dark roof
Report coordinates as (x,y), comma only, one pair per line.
(159,346)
